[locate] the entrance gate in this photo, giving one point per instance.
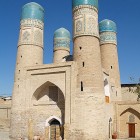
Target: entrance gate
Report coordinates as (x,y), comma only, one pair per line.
(131,130)
(55,130)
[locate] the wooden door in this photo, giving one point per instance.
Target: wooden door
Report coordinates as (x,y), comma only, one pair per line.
(54,132)
(131,130)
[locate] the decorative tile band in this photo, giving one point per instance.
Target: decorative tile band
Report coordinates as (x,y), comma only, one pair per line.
(31,33)
(76,3)
(85,20)
(108,37)
(32,22)
(61,42)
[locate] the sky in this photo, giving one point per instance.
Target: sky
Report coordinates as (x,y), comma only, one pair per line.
(58,13)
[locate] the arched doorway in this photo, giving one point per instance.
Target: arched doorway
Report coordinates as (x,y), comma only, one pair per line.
(50,98)
(130,123)
(55,128)
(131,126)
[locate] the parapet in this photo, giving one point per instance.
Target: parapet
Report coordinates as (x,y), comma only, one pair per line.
(85,2)
(107,26)
(32,10)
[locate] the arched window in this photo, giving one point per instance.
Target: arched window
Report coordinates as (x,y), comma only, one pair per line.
(55,126)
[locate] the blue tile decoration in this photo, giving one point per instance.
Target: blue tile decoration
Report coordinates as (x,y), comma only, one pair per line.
(108,37)
(85,2)
(32,10)
(32,22)
(107,26)
(85,21)
(62,38)
(108,30)
(79,26)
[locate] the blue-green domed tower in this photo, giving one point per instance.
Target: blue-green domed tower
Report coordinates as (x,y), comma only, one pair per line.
(31,35)
(109,55)
(29,53)
(108,30)
(89,71)
(61,44)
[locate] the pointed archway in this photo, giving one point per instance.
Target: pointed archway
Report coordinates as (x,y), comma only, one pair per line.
(55,128)
(50,94)
(129,122)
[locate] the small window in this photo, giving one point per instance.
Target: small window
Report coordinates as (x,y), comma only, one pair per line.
(21,56)
(105,82)
(111,67)
(81,86)
(80,48)
(116,93)
(83,64)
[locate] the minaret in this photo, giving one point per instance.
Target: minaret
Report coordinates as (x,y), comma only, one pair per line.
(30,45)
(29,53)
(61,45)
(90,99)
(109,56)
(86,45)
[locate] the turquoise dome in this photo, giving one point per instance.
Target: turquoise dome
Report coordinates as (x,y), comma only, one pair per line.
(61,33)
(32,10)
(62,38)
(107,26)
(85,2)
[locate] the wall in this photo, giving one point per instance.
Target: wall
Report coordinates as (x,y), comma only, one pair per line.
(5,113)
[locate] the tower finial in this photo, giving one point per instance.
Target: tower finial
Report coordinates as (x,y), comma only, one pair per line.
(61,44)
(32,10)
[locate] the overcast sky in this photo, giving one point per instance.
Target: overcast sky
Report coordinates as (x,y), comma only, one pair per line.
(58,13)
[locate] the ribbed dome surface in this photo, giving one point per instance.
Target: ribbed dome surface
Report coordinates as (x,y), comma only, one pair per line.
(85,2)
(107,26)
(32,10)
(62,32)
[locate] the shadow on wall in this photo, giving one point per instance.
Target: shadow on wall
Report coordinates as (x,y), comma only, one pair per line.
(131,110)
(54,93)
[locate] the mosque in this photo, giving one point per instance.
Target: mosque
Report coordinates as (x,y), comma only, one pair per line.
(78,96)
